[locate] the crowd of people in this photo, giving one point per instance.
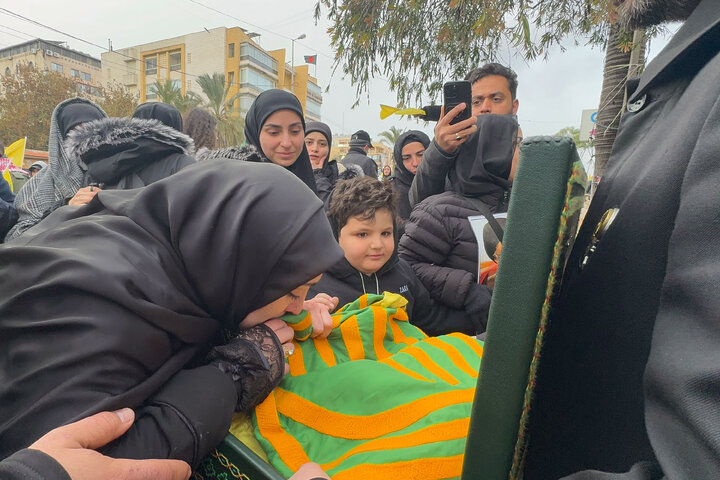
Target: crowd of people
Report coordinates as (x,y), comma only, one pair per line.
(144,268)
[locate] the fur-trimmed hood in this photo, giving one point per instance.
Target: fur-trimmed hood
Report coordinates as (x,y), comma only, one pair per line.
(112,150)
(245,152)
(112,132)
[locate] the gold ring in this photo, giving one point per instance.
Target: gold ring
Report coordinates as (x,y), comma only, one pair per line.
(288,349)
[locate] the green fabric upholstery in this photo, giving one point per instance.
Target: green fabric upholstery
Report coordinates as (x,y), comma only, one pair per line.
(547,195)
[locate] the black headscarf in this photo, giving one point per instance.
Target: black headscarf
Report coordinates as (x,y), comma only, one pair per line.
(326,132)
(73,114)
(106,303)
(163,112)
(267,103)
(484,161)
(402,173)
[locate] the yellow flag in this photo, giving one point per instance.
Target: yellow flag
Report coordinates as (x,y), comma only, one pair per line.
(386,111)
(6,175)
(16,152)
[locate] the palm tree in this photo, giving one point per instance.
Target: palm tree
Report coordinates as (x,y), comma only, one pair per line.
(187,102)
(616,72)
(389,137)
(166,92)
(230,126)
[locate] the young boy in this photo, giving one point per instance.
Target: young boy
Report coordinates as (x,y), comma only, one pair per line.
(363,214)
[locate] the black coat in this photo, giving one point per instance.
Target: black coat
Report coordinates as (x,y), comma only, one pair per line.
(8,214)
(357,156)
(115,304)
(125,153)
(325,179)
(441,247)
(631,367)
(396,276)
(33,464)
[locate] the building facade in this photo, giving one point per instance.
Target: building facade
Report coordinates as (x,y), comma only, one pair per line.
(247,67)
(49,55)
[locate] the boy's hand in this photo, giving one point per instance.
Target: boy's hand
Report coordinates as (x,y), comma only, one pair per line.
(319,309)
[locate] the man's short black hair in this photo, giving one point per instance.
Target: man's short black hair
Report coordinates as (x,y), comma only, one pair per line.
(495,69)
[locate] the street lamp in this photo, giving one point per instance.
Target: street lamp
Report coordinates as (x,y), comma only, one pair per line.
(292,62)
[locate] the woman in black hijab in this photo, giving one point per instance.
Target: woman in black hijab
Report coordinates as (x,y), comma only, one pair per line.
(407,152)
(276,126)
(118,304)
(165,113)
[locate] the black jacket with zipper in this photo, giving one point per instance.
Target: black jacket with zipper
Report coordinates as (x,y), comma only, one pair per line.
(396,276)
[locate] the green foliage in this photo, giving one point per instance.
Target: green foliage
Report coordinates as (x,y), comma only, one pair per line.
(169,93)
(28,100)
(221,104)
(418,44)
(117,100)
(390,136)
(574,133)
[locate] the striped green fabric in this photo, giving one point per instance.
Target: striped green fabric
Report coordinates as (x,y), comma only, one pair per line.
(376,399)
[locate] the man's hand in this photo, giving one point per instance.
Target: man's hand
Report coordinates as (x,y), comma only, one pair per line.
(450,137)
(319,309)
(73,446)
(83,196)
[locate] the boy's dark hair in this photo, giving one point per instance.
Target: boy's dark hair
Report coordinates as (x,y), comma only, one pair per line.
(360,197)
(495,69)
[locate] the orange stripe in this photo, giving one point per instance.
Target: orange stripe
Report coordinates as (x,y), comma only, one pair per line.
(402,369)
(434,433)
(362,301)
(359,427)
(422,468)
(379,330)
(470,341)
(322,346)
(429,364)
(398,335)
(352,338)
(297,361)
(288,449)
(302,324)
(456,357)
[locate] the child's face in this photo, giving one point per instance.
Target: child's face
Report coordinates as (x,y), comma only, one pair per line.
(368,244)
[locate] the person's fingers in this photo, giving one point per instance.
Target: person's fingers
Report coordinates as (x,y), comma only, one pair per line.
(283,331)
(309,471)
(327,320)
(335,301)
(151,469)
(92,432)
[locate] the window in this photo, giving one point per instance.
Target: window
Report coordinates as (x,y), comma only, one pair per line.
(175,61)
(254,79)
(312,107)
(151,66)
(151,93)
(246,102)
(74,73)
(314,89)
(85,76)
(55,67)
(231,78)
(249,52)
(231,50)
(177,85)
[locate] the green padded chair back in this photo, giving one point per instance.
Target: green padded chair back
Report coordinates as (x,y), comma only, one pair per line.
(232,459)
(547,196)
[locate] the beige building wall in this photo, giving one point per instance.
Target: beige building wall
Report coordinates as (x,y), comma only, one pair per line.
(53,56)
(248,68)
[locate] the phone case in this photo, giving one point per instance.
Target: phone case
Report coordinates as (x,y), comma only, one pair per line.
(455,93)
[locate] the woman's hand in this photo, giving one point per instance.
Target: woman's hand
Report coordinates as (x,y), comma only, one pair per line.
(83,196)
(309,471)
(319,309)
(286,334)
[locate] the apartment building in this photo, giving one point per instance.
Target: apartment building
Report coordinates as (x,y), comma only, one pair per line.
(248,68)
(55,56)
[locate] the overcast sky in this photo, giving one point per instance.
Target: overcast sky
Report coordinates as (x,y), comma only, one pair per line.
(552,93)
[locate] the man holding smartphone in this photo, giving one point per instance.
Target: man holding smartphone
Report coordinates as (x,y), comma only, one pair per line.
(494,88)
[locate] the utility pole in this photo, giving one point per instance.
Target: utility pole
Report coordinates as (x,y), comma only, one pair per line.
(292,62)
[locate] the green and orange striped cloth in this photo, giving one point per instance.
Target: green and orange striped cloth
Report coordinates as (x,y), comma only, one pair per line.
(376,399)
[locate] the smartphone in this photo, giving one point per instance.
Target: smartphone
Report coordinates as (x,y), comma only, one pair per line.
(455,93)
